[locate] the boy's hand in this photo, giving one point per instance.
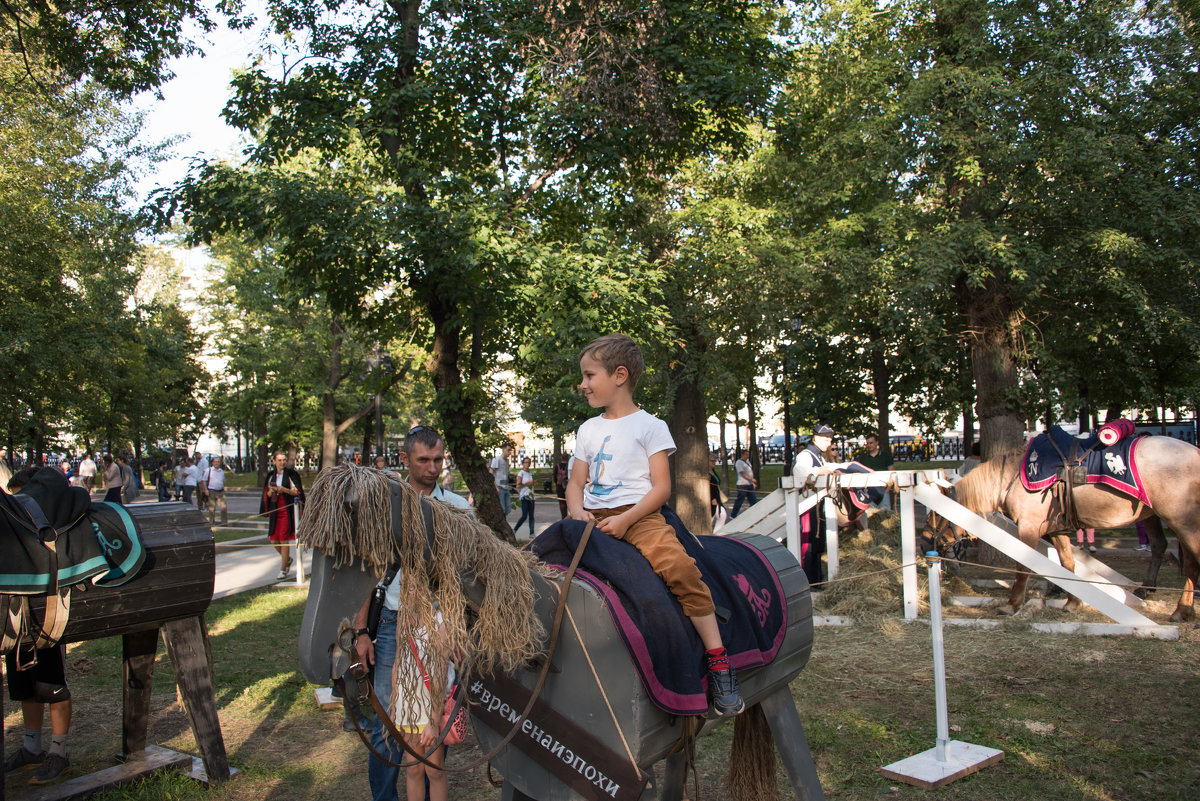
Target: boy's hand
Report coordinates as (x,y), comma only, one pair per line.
(581,514)
(615,526)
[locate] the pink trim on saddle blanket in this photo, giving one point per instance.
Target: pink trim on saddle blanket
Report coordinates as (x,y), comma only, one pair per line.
(1136,489)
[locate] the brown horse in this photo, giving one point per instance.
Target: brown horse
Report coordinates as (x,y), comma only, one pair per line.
(1170,472)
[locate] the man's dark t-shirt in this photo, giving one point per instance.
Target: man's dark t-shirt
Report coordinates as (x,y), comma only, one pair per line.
(880,461)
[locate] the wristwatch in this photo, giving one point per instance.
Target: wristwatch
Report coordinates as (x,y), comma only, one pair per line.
(360,632)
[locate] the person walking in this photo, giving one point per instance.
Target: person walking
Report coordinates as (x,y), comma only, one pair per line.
(214,480)
(499,468)
(87,471)
(112,479)
(746,482)
(191,477)
(525,495)
(282,499)
(129,482)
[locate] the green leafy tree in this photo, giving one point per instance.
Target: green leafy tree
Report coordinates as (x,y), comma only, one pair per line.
(459,121)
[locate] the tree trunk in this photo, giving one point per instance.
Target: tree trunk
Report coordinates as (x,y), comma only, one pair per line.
(456,408)
(991,321)
(260,442)
(724,457)
(690,496)
(881,380)
(752,435)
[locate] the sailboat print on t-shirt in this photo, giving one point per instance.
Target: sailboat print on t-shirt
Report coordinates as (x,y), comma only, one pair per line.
(599,490)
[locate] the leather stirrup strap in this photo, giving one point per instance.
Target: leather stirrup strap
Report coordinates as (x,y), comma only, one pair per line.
(58,603)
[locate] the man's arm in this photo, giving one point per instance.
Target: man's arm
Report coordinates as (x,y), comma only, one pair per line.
(660,492)
(575,485)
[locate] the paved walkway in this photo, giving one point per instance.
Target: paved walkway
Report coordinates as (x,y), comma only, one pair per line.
(249,562)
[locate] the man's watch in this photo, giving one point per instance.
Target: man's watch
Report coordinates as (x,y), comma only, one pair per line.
(360,632)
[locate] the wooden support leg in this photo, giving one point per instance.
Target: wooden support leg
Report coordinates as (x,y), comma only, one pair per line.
(187,644)
(781,714)
(674,775)
(137,678)
(510,793)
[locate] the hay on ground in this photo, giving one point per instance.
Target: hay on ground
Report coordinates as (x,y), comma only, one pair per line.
(870,582)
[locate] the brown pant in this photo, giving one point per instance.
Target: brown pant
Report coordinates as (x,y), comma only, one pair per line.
(656,541)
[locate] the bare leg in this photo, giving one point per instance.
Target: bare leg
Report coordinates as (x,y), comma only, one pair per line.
(60,717)
(706,627)
(285,559)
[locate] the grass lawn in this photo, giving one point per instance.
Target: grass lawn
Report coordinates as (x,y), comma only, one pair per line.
(1077,717)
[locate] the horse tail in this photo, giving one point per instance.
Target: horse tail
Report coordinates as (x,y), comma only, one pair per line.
(752,758)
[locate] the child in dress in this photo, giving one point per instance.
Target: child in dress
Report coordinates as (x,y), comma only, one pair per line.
(621,477)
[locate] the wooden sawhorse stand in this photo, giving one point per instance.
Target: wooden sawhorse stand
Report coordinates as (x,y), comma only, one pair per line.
(188,648)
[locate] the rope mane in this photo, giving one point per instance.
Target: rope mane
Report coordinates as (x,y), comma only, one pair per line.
(980,489)
(503,632)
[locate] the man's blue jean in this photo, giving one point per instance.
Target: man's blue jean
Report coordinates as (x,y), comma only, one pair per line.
(505,498)
(383,777)
(744,494)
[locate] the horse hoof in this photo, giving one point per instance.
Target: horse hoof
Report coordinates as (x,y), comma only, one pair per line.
(1183,616)
(1141,592)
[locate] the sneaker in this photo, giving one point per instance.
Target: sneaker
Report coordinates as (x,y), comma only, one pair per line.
(726,698)
(282,575)
(1142,548)
(51,769)
(22,759)
(1092,548)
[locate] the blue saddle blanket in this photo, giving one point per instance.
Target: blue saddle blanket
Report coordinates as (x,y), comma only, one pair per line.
(97,541)
(662,642)
(1114,466)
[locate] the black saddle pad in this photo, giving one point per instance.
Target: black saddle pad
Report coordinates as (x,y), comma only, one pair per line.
(661,640)
(97,541)
(1114,466)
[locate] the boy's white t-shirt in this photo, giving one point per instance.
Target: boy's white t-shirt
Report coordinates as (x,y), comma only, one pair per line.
(617,453)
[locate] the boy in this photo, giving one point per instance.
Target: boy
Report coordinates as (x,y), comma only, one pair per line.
(620,477)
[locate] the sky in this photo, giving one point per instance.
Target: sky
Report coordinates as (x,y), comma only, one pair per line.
(192,102)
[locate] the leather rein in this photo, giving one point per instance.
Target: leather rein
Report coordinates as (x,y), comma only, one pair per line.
(366,693)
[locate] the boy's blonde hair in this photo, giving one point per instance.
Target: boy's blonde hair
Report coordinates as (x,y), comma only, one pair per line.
(617,350)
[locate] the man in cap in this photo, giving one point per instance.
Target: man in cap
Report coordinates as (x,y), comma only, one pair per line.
(811,462)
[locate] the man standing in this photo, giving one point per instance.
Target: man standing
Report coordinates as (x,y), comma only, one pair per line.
(877,458)
(746,482)
(499,468)
(214,479)
(811,462)
(423,454)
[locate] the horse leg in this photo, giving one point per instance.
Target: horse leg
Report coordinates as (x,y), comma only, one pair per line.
(1185,612)
(1158,550)
(1016,599)
(1066,557)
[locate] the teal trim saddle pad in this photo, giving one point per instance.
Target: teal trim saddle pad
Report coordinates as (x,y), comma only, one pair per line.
(97,541)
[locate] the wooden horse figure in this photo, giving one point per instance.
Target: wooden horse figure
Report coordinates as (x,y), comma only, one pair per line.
(593,731)
(168,587)
(1169,472)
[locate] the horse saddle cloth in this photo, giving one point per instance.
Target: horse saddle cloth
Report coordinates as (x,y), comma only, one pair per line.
(860,497)
(1114,466)
(97,541)
(662,643)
